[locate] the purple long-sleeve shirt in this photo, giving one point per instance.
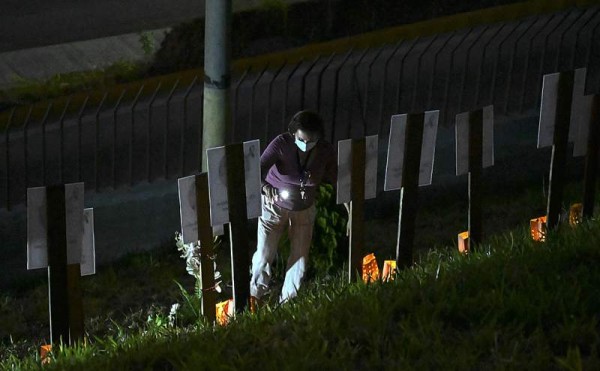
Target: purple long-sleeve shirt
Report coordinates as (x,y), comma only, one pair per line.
(280,167)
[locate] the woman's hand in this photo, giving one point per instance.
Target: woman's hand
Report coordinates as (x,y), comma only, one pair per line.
(271,193)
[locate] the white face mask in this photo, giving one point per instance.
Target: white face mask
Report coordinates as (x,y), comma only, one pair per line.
(305,147)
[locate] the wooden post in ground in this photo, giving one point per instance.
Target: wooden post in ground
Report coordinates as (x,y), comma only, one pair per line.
(58,286)
(357,207)
(238,228)
(559,149)
(591,160)
(409,192)
(205,236)
(475,184)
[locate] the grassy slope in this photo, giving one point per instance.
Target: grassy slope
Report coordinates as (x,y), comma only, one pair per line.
(517,305)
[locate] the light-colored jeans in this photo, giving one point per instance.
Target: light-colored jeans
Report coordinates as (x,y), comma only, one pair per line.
(271,225)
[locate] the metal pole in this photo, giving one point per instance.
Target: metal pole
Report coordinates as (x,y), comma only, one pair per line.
(44,121)
(217,75)
(79,139)
(61,154)
(166,134)
(184,125)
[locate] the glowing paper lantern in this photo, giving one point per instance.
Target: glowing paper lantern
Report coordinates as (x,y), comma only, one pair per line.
(370,270)
(45,351)
(463,242)
(389,270)
(224,311)
(575,214)
(537,227)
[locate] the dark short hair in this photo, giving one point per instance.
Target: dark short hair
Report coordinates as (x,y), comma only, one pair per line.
(308,121)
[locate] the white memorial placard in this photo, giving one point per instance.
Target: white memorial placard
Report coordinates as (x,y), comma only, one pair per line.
(371,155)
(217,180)
(88,252)
(395,155)
(488,136)
(581,114)
(462,132)
(462,143)
(37,225)
(344,181)
(187,209)
(548,110)
(430,126)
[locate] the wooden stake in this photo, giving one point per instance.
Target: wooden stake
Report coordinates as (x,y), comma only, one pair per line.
(475,170)
(238,228)
(559,148)
(205,235)
(357,229)
(591,160)
(57,265)
(410,190)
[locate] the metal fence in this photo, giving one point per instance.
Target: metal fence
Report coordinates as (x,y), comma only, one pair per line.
(157,135)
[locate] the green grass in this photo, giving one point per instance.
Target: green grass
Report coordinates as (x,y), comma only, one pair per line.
(514,305)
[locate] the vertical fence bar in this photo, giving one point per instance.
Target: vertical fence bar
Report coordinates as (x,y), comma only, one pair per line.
(511,66)
(25,145)
(260,75)
(367,86)
(355,88)
(61,153)
(79,138)
(304,75)
(149,132)
(562,37)
(114,141)
(576,46)
(320,80)
(7,148)
(444,111)
(466,66)
(166,134)
(384,84)
(44,121)
(559,149)
(591,161)
(132,132)
(480,72)
(188,91)
(434,70)
(268,109)
(335,92)
(97,143)
(418,74)
(496,62)
(415,41)
(236,91)
(286,91)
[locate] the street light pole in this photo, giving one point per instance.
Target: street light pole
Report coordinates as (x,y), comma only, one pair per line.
(217,75)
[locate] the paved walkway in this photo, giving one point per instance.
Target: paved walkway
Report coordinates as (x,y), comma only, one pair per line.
(39,39)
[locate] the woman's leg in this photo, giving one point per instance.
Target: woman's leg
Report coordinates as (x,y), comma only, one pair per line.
(300,233)
(271,226)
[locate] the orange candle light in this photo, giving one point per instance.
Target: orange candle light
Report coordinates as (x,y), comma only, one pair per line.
(537,227)
(389,270)
(370,270)
(463,242)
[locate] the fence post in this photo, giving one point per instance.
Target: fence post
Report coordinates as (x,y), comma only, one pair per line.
(149,132)
(413,105)
(184,125)
(335,92)
(285,94)
(97,143)
(415,41)
(320,80)
(236,90)
(268,110)
(367,84)
(7,143)
(355,88)
(61,153)
(384,83)
(166,136)
(114,141)
(260,75)
(79,138)
(132,132)
(304,75)
(591,161)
